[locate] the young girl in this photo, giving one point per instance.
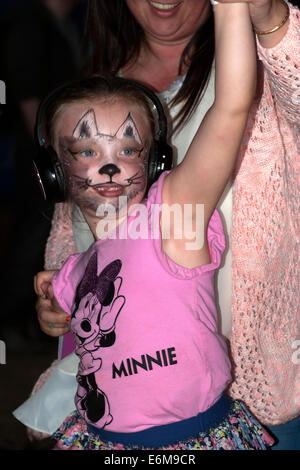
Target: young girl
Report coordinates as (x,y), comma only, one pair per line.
(153,369)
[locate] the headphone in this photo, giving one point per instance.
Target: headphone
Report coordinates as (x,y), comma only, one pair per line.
(47,166)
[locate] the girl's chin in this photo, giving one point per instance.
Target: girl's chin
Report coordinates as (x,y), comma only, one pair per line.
(108,208)
(98,205)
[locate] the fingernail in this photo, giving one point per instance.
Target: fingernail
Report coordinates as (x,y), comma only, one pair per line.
(67,318)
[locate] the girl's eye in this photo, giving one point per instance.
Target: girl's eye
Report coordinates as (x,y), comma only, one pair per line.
(128,152)
(88,153)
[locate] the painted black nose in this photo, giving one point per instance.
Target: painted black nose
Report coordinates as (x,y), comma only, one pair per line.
(110,169)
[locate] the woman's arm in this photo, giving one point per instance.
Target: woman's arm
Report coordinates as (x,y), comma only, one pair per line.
(203,174)
(268,15)
(282,65)
(60,243)
(279,51)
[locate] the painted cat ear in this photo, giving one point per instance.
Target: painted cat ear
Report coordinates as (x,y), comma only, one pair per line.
(128,130)
(86,126)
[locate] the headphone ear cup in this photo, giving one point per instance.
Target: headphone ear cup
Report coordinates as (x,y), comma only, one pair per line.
(160,160)
(152,167)
(50,174)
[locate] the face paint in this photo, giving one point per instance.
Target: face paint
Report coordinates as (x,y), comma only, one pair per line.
(87,126)
(102,158)
(129,130)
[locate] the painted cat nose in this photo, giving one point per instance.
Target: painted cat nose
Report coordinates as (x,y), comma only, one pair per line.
(110,169)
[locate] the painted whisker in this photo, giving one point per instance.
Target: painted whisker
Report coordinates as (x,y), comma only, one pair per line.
(84,183)
(133,179)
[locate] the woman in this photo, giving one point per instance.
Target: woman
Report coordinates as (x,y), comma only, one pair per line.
(159,44)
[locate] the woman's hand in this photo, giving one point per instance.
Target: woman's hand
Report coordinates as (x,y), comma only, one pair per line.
(52,319)
(265,15)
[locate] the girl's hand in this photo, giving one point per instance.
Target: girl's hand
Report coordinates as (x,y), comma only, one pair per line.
(52,319)
(41,283)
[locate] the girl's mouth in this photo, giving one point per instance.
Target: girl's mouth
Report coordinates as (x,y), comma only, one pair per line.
(109,189)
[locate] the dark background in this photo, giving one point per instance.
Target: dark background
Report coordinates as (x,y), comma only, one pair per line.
(28,351)
(24,217)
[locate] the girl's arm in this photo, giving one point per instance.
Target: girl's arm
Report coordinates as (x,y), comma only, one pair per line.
(202,176)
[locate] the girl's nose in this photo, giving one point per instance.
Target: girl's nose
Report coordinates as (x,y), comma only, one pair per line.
(110,169)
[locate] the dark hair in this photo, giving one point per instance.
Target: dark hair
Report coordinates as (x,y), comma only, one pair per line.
(93,87)
(117,38)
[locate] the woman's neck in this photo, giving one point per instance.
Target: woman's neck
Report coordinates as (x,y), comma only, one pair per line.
(157,65)
(59,9)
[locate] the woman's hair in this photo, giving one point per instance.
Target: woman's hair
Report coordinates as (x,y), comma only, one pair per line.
(117,38)
(90,88)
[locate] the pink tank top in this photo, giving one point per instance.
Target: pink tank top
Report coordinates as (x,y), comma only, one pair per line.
(145,329)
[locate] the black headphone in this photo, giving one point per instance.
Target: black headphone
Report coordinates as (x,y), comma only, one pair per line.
(48,168)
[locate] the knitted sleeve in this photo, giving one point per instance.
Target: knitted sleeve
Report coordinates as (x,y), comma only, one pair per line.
(265,241)
(282,64)
(60,244)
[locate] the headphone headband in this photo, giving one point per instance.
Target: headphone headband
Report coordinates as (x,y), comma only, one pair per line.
(163,125)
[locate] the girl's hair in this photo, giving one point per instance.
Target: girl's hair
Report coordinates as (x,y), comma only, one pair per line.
(117,38)
(90,88)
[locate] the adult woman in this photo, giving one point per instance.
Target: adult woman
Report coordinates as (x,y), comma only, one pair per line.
(168,41)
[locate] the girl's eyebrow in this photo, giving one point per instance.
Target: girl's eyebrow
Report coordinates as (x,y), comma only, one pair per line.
(66,140)
(74,145)
(70,140)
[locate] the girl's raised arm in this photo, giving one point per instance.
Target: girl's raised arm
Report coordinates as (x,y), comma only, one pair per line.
(203,174)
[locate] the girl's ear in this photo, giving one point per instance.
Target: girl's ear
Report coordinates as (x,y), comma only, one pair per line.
(86,126)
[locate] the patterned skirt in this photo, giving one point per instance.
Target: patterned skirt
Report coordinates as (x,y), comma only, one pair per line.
(239,431)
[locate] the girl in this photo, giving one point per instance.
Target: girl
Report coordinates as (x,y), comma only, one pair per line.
(152,366)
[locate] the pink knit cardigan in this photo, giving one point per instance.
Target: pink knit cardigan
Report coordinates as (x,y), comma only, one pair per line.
(265,240)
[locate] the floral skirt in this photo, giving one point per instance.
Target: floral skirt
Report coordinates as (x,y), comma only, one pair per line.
(239,431)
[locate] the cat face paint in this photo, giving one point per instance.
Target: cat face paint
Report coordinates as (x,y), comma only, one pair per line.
(104,153)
